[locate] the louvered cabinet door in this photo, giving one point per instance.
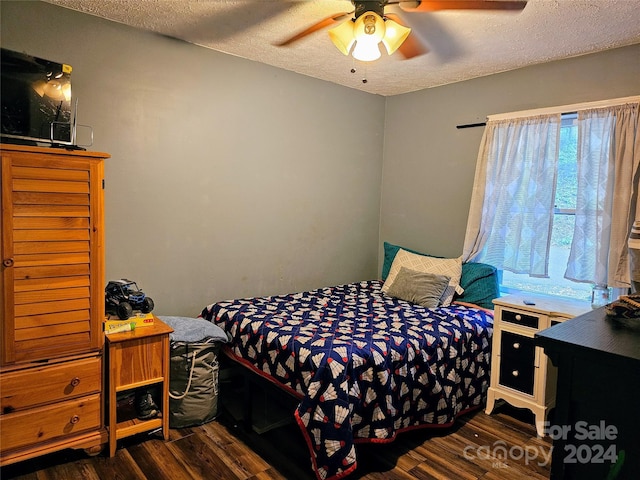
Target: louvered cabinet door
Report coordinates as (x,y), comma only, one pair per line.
(52,253)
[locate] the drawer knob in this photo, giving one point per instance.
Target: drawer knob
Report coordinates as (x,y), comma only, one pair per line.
(516,346)
(8,262)
(515,373)
(518,317)
(75,382)
(75,419)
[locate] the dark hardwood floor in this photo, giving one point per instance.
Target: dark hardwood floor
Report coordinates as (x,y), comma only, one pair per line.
(473,449)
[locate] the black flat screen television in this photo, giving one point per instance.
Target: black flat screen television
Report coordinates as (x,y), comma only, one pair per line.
(35,98)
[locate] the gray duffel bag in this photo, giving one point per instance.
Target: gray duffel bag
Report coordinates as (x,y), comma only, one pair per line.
(193,371)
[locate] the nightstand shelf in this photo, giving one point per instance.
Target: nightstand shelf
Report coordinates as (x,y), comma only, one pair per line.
(136,359)
(134,426)
(520,372)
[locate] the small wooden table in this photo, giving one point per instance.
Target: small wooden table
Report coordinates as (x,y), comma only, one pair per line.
(139,358)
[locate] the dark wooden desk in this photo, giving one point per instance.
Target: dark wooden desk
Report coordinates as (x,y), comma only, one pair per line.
(598,395)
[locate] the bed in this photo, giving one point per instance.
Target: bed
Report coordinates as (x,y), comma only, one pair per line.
(366,364)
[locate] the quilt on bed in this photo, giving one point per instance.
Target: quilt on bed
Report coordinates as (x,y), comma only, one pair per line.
(365,366)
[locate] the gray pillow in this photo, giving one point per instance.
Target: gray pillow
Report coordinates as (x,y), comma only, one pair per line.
(187,329)
(423,288)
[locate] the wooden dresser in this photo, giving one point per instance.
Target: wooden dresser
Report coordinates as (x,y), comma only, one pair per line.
(51,302)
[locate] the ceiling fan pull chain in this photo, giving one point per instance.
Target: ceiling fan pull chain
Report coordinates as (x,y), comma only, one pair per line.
(354,70)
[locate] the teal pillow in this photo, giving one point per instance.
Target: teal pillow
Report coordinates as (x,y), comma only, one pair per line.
(480,283)
(390,252)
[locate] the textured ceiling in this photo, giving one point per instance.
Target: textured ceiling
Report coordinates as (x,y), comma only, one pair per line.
(461,44)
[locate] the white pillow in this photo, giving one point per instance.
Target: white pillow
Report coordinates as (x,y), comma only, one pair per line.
(448,267)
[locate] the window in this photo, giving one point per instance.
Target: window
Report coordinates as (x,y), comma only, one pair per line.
(563,225)
(543,203)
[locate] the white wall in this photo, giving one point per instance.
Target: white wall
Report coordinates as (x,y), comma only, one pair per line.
(429,164)
(228,178)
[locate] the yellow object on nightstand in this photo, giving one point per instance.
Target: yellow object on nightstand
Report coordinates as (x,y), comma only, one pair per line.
(112,322)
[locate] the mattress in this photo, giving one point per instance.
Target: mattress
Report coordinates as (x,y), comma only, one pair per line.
(365,366)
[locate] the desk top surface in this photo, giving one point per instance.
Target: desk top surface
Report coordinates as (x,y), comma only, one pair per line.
(594,332)
(545,304)
(158,328)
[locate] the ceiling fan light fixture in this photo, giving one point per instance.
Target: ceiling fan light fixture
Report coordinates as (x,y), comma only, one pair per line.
(342,36)
(366,51)
(369,27)
(367,32)
(395,35)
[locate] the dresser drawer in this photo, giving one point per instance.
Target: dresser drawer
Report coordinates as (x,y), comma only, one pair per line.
(40,385)
(517,375)
(50,422)
(518,348)
(519,318)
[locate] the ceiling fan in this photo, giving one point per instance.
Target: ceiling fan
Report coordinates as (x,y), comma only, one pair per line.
(369,25)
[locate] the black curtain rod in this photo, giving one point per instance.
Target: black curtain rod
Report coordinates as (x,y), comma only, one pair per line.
(472,125)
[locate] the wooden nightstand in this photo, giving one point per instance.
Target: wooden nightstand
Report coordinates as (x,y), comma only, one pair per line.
(520,372)
(135,359)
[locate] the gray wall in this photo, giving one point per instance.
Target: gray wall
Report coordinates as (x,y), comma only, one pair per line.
(429,164)
(228,178)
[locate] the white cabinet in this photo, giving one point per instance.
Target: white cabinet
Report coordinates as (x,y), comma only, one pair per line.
(521,374)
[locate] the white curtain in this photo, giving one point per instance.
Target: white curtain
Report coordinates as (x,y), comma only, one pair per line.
(626,196)
(511,213)
(608,159)
(512,201)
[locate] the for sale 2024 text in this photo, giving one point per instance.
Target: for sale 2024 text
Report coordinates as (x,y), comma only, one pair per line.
(590,451)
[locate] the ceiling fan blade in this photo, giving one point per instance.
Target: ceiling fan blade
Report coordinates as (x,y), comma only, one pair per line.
(412,46)
(436,5)
(314,28)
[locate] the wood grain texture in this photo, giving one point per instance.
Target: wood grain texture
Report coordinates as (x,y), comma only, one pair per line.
(221,449)
(36,198)
(51,303)
(50,422)
(136,359)
(46,384)
(52,249)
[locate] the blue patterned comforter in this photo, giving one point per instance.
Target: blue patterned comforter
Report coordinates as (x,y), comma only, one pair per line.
(365,366)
